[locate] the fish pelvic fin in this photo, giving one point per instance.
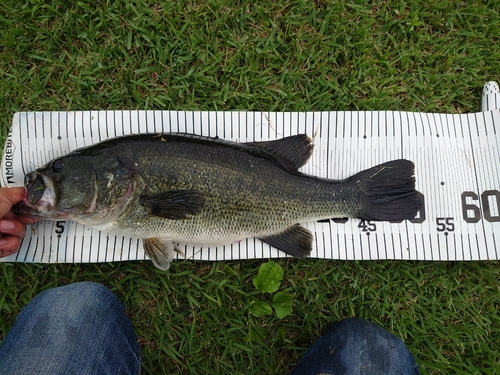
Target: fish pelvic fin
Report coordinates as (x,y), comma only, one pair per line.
(388,192)
(296,241)
(160,251)
(294,151)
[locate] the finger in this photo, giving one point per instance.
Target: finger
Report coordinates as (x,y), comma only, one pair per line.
(12,227)
(27,220)
(22,219)
(9,245)
(5,253)
(9,197)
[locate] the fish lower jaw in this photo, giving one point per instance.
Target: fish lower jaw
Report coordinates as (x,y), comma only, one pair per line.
(45,209)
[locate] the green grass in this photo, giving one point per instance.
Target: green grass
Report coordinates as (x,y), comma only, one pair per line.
(431,56)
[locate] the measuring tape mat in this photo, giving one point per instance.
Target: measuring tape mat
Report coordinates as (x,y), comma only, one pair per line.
(457,171)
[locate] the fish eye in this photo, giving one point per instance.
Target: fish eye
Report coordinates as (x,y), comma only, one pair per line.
(57,165)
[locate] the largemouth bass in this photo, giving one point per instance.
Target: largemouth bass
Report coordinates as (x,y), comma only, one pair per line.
(177,188)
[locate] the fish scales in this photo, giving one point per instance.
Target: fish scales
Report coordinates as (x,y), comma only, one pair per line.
(245,194)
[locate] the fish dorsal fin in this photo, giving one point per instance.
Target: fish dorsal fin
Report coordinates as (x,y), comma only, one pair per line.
(174,204)
(296,241)
(296,149)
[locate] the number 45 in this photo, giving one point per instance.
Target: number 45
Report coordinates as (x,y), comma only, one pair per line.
(367,226)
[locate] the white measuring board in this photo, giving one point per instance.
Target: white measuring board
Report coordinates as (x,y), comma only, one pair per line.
(457,169)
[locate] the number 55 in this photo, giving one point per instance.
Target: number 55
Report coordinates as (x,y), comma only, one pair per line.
(445,224)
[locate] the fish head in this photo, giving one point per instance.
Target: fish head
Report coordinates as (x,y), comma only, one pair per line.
(85,187)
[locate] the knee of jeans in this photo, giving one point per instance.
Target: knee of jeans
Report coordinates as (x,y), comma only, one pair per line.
(354,323)
(76,299)
(369,333)
(357,326)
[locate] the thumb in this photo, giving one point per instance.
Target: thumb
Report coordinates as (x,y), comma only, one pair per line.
(9,197)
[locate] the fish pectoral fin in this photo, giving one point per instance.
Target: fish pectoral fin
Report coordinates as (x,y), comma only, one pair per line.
(160,251)
(174,204)
(296,149)
(296,241)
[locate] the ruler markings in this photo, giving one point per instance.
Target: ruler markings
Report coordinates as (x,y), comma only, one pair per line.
(494,245)
(481,178)
(403,149)
(49,126)
(96,237)
(115,240)
(492,115)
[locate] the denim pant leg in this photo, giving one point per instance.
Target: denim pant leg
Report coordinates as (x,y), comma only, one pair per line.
(75,329)
(357,346)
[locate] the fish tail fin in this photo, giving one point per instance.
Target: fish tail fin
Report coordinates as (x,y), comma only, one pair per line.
(388,192)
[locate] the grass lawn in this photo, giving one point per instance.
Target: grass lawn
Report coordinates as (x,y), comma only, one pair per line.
(428,56)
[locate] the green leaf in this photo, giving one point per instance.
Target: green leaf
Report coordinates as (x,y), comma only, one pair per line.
(260,308)
(269,277)
(282,304)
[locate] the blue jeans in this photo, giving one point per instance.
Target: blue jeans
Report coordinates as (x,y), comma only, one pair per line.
(357,347)
(82,329)
(75,329)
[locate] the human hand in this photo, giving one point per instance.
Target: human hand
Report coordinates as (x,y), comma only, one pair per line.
(12,227)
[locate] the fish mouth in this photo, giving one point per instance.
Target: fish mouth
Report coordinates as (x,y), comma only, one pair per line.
(40,197)
(35,187)
(40,191)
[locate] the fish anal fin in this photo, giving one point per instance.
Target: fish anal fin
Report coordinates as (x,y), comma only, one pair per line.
(296,241)
(174,204)
(295,150)
(160,251)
